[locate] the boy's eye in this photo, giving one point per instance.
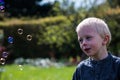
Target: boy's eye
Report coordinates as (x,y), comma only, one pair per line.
(80,40)
(88,38)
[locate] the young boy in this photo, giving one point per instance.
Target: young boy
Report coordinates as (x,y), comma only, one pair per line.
(94,36)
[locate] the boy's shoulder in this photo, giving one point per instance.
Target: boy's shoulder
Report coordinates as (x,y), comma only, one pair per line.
(84,62)
(116,59)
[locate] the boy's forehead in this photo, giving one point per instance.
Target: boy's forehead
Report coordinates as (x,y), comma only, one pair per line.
(86,32)
(86,28)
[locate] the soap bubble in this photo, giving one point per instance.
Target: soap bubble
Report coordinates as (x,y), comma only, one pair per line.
(20,67)
(5,54)
(20,31)
(2,8)
(29,37)
(2,61)
(10,39)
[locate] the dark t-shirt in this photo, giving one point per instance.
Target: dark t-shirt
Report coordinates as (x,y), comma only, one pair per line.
(106,69)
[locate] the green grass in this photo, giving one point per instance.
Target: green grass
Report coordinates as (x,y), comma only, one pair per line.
(26,72)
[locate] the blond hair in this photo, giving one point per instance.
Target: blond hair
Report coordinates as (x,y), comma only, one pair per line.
(100,26)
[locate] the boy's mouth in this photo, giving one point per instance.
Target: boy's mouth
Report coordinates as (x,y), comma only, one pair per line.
(87,49)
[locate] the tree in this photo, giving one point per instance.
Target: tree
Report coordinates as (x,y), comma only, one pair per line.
(55,10)
(114,3)
(26,8)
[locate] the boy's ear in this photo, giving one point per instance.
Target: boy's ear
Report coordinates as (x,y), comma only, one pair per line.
(105,40)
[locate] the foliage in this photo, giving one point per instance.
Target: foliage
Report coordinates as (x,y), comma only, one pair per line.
(56,10)
(114,3)
(57,33)
(50,33)
(59,36)
(26,8)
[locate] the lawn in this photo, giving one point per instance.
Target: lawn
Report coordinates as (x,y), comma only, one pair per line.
(27,72)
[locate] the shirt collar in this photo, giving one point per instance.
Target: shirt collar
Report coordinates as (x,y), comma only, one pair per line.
(107,59)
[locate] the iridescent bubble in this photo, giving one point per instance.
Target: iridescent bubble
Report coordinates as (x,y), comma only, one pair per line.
(29,37)
(20,31)
(10,39)
(20,67)
(2,61)
(2,11)
(5,54)
(2,7)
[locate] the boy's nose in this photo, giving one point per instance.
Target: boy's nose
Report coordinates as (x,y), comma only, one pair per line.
(84,43)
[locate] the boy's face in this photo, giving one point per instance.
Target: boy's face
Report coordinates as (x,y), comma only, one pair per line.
(90,41)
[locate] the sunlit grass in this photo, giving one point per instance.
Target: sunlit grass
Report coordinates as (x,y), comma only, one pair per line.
(31,21)
(25,72)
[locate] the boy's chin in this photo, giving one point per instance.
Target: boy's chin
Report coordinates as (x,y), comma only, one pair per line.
(90,54)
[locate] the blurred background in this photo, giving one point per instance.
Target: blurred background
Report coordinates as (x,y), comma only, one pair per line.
(41,33)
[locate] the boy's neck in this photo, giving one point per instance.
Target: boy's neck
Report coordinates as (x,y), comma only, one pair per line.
(100,56)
